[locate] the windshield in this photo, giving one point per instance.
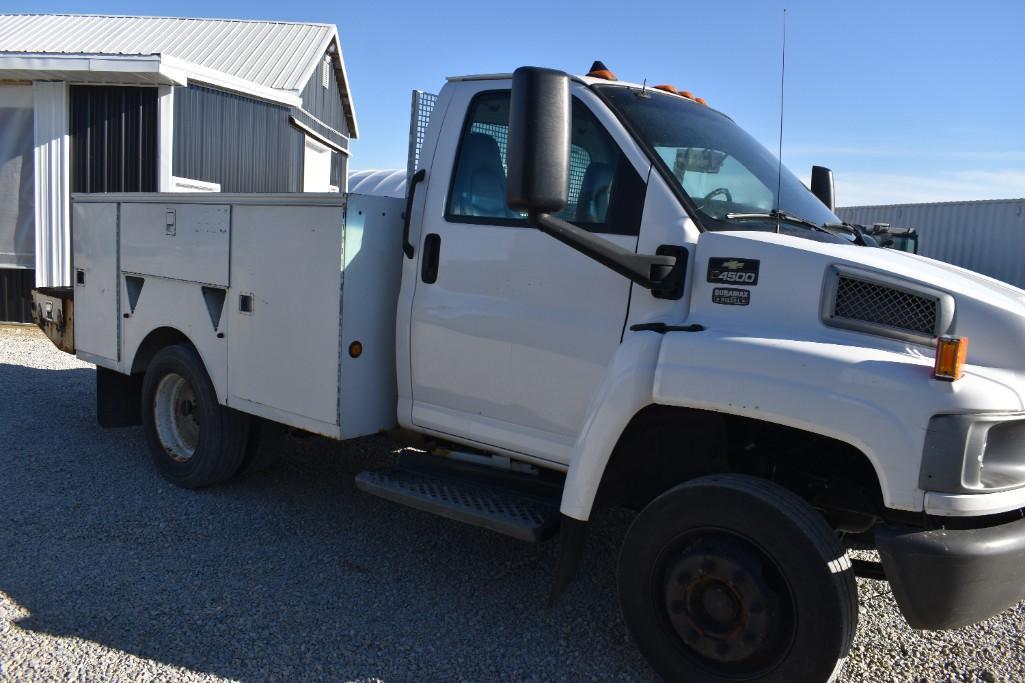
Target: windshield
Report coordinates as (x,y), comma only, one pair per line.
(722,169)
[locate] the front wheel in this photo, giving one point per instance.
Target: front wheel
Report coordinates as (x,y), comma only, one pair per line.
(194,441)
(733,578)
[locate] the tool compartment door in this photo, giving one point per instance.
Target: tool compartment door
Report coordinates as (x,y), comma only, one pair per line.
(283,307)
(94,240)
(176,240)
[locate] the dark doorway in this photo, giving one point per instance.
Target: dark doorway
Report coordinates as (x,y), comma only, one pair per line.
(16,295)
(113,139)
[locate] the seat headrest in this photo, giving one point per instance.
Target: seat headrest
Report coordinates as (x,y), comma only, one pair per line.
(593,200)
(480,151)
(481,178)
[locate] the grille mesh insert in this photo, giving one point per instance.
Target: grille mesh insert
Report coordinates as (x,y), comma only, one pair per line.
(881,305)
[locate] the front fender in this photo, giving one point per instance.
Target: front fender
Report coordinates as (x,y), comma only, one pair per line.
(879,400)
(625,391)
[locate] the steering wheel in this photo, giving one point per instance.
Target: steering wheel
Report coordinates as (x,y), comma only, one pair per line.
(724,191)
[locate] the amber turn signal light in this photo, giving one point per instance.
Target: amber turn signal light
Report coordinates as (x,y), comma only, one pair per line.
(950,358)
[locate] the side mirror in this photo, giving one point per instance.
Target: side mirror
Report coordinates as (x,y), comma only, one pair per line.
(537,156)
(822,186)
(537,152)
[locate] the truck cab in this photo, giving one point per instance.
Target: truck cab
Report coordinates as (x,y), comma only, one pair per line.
(782,351)
(599,293)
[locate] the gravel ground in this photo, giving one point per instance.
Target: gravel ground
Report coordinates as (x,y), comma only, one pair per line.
(107,572)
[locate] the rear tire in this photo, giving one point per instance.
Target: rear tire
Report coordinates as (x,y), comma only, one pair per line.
(193,440)
(266,439)
(734,578)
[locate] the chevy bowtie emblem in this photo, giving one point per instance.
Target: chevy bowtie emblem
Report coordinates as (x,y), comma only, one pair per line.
(729,270)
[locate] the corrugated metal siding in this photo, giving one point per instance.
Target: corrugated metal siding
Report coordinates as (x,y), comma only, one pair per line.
(246,145)
(339,171)
(16,295)
(113,139)
(985,236)
(274,54)
(325,103)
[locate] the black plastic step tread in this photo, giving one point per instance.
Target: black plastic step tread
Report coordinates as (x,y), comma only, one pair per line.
(507,511)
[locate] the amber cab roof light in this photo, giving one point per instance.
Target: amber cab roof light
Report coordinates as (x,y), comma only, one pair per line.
(667,88)
(599,70)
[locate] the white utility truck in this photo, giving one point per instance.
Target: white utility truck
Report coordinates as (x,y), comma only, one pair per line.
(702,341)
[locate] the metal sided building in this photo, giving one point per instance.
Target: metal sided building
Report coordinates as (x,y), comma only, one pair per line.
(985,236)
(144,104)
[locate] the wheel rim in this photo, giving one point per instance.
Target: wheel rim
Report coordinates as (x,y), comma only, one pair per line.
(174,410)
(727,603)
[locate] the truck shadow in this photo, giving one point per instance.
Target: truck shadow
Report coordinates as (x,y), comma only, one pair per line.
(291,574)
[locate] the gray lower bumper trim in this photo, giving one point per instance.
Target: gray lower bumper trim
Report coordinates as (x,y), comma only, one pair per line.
(950,578)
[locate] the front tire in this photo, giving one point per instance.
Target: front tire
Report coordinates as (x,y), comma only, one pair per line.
(193,440)
(734,578)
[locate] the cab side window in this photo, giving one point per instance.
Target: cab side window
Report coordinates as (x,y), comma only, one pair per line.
(606,194)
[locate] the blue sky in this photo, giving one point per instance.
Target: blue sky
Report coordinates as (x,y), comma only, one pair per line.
(906,101)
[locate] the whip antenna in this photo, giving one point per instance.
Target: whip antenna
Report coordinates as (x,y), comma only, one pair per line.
(782,79)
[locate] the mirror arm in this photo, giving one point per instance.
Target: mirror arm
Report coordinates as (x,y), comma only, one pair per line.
(659,273)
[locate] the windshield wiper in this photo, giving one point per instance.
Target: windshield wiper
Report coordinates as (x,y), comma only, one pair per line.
(851,228)
(778,216)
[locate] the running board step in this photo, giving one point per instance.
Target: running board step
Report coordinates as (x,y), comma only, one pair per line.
(511,505)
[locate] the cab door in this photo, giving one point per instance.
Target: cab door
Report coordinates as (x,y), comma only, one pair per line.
(511,332)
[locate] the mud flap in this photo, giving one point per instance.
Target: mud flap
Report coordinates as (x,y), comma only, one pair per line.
(118,398)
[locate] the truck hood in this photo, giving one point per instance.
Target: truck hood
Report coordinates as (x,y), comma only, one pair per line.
(792,276)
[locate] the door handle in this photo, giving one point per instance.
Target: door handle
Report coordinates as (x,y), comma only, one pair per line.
(429,265)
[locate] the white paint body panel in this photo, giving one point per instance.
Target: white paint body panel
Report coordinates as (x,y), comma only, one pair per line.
(97,318)
(284,353)
(371,275)
(514,344)
(179,305)
(175,240)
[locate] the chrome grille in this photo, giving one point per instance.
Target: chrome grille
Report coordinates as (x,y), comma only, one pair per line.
(877,304)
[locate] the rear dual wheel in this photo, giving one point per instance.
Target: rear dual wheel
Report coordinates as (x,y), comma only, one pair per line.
(733,578)
(195,441)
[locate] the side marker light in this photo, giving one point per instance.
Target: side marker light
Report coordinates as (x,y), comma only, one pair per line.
(951,353)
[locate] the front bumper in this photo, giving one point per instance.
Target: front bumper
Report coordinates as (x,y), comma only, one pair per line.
(950,578)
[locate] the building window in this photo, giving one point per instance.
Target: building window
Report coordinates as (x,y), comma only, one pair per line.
(325,71)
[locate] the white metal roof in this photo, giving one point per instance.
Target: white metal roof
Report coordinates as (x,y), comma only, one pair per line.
(274,57)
